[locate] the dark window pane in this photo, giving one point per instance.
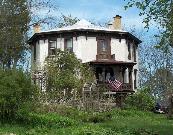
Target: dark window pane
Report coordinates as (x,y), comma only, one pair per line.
(52,47)
(69,44)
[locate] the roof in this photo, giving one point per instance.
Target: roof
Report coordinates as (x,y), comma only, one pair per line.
(83,25)
(112,62)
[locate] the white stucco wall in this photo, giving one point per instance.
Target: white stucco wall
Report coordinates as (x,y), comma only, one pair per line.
(89,48)
(86,50)
(119,49)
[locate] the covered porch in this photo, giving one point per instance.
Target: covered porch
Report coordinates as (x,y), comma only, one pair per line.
(119,70)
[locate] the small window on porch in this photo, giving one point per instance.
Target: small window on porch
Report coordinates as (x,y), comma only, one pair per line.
(68,44)
(52,47)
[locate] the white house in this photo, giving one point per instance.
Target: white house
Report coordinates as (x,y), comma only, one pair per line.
(109,50)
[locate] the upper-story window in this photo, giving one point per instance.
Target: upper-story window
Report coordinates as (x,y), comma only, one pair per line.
(129,50)
(103,46)
(34,51)
(134,53)
(68,44)
(52,47)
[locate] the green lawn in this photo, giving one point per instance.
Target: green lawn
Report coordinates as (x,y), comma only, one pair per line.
(117,122)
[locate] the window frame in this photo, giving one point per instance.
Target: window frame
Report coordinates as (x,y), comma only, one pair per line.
(34,52)
(107,41)
(65,44)
(129,50)
(50,49)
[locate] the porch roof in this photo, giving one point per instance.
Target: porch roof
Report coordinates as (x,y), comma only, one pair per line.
(112,62)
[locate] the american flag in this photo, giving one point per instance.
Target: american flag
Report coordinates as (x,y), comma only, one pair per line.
(115,85)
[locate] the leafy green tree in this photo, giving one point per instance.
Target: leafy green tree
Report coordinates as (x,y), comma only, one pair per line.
(16,19)
(66,74)
(159,11)
(141,100)
(17,94)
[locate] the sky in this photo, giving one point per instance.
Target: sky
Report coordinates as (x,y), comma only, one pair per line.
(99,11)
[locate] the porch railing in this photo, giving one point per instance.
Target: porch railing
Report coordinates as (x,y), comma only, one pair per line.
(126,87)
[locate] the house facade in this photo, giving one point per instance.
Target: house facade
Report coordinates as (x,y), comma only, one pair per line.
(110,50)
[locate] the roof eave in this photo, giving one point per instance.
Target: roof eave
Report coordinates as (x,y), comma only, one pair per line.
(76,30)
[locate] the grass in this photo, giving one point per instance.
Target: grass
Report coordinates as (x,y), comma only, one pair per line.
(116,122)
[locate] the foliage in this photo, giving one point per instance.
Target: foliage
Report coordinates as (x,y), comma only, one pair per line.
(48,120)
(67,20)
(14,20)
(122,122)
(17,94)
(66,75)
(73,113)
(141,100)
(159,11)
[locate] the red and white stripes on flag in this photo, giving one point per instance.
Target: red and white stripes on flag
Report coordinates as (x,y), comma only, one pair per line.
(116,85)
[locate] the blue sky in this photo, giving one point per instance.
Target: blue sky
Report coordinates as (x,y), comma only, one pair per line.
(99,11)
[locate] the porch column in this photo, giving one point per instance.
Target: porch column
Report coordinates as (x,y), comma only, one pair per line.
(130,75)
(126,75)
(121,74)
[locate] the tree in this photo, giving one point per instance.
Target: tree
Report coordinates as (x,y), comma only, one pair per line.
(17,94)
(16,19)
(67,21)
(141,100)
(66,75)
(159,11)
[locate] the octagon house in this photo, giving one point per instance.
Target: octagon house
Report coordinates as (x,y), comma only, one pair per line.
(110,50)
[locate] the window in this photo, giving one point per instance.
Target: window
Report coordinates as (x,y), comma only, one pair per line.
(34,47)
(134,51)
(68,44)
(129,51)
(52,47)
(103,46)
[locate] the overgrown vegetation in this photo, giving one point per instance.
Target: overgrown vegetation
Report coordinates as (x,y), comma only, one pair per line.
(66,76)
(141,100)
(74,122)
(17,94)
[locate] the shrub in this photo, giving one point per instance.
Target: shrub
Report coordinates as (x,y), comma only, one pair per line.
(47,120)
(141,100)
(16,93)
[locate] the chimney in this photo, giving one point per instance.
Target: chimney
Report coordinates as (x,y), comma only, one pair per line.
(36,28)
(117,22)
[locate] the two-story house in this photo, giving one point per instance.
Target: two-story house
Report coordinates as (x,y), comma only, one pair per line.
(110,50)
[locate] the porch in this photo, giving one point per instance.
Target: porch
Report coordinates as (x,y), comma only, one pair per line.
(118,70)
